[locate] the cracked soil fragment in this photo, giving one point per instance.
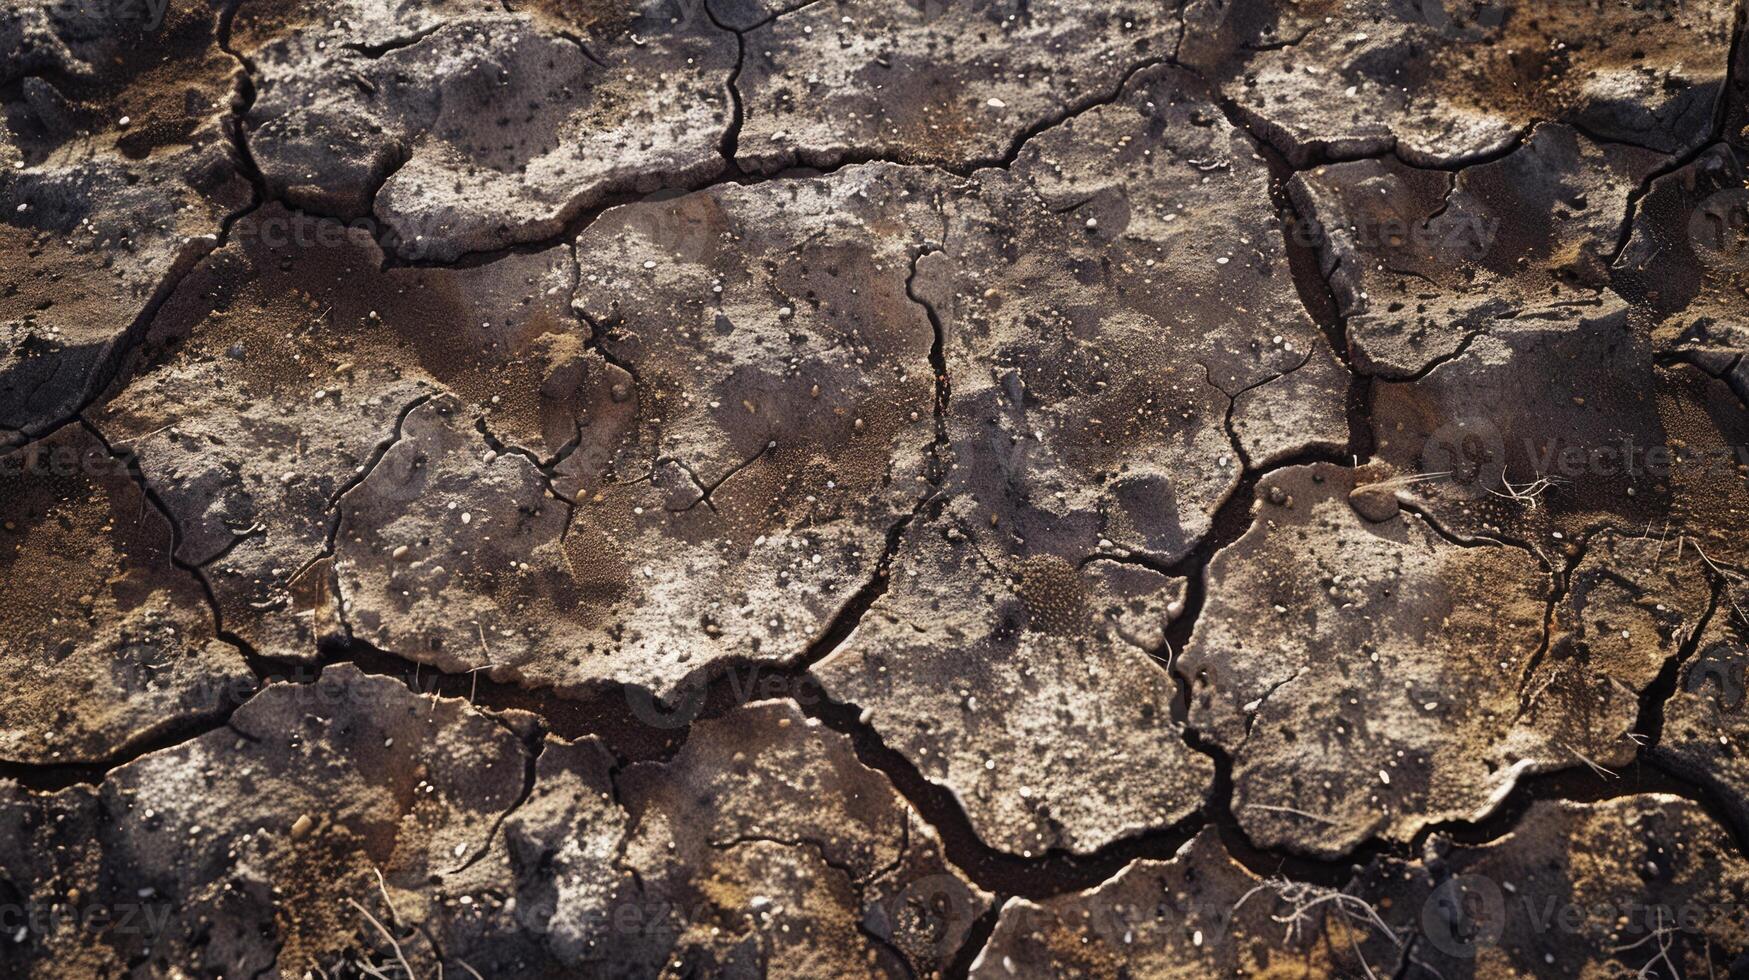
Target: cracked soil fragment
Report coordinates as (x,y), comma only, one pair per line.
(464,128)
(955,84)
(116,177)
(1048,720)
(1644,885)
(107,642)
(1422,260)
(1705,723)
(1686,263)
(1543,433)
(1326,660)
(1101,308)
(1199,914)
(767,410)
(784,856)
(763,848)
(236,850)
(1442,83)
(305,356)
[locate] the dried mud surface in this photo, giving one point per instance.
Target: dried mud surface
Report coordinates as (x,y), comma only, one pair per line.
(874,488)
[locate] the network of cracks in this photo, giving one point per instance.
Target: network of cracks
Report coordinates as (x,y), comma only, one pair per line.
(845,488)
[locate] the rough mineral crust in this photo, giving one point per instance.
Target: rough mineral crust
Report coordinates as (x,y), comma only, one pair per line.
(1094,350)
(300,354)
(1686,264)
(107,642)
(1199,914)
(1597,889)
(1632,606)
(453,553)
(350,821)
(243,848)
(1102,307)
(957,84)
(763,430)
(1341,605)
(1441,83)
(1543,433)
(1023,683)
(1293,415)
(764,848)
(1645,885)
(115,176)
(463,128)
(1329,659)
(780,854)
(1421,261)
(906,487)
(1602,889)
(1705,720)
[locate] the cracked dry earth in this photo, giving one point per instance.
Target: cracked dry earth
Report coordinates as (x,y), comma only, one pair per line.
(874,488)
